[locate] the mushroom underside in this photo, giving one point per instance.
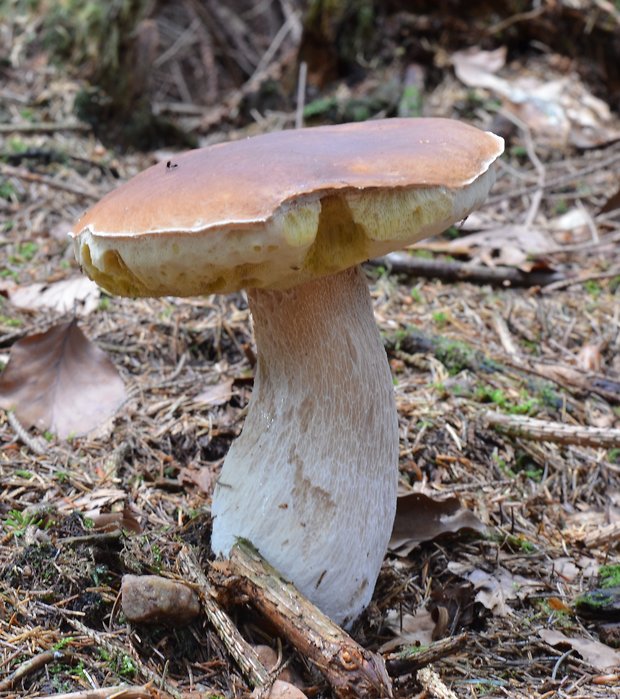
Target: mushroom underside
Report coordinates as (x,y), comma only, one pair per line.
(311,481)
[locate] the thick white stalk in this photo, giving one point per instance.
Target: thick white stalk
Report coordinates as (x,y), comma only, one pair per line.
(311,481)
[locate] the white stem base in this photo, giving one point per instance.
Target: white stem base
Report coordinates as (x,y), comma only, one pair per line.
(312,479)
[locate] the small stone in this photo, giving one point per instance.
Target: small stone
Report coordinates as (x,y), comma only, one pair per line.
(269,659)
(151,599)
(282,690)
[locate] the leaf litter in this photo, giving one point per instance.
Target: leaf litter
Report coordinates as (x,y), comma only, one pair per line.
(60,382)
(548,510)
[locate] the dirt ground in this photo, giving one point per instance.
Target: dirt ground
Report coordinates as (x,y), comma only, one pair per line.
(526,563)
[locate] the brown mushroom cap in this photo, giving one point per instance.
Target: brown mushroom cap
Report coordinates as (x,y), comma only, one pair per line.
(285,207)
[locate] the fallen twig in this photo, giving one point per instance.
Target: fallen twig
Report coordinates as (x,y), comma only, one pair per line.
(31,665)
(402,263)
(242,652)
(351,670)
(410,660)
(433,684)
(558,432)
(28,176)
(146,691)
(38,446)
(563,283)
(556,182)
(468,356)
(44,127)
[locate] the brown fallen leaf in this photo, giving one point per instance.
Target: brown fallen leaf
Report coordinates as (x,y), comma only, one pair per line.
(60,381)
(409,629)
(496,588)
(216,394)
(421,518)
(611,204)
(201,477)
(597,654)
(76,295)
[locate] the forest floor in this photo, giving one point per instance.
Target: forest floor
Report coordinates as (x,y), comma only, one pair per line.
(531,573)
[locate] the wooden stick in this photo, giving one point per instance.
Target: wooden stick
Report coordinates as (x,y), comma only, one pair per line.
(44,127)
(351,670)
(410,659)
(242,652)
(433,684)
(558,432)
(31,665)
(28,176)
(402,263)
(146,691)
(38,446)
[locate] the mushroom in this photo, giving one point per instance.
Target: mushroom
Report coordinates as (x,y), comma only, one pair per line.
(289,216)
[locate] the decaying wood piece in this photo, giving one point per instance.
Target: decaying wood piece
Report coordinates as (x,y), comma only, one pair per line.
(410,660)
(147,691)
(402,263)
(351,670)
(433,684)
(469,357)
(244,655)
(558,432)
(32,665)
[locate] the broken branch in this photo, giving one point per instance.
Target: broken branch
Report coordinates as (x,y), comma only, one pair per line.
(351,670)
(402,263)
(558,432)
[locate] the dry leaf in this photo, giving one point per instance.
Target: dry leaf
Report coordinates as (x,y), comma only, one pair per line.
(201,477)
(589,358)
(76,295)
(217,394)
(60,381)
(496,588)
(515,246)
(611,204)
(597,654)
(420,518)
(410,629)
(557,108)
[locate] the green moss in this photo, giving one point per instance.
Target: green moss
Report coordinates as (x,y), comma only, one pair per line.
(609,576)
(593,288)
(440,318)
(455,355)
(416,295)
(593,601)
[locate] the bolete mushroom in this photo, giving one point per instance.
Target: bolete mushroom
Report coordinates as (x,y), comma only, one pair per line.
(289,216)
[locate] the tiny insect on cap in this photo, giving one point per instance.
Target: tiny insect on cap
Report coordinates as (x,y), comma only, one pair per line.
(283,208)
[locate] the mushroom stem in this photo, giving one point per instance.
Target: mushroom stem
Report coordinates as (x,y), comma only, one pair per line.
(312,479)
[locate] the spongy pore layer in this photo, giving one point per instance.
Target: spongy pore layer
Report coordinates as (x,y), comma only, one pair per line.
(303,240)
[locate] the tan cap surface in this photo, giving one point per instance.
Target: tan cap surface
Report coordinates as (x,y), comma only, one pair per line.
(251,212)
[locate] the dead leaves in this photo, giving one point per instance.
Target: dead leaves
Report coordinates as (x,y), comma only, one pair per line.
(61,382)
(597,654)
(497,588)
(75,295)
(421,518)
(558,108)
